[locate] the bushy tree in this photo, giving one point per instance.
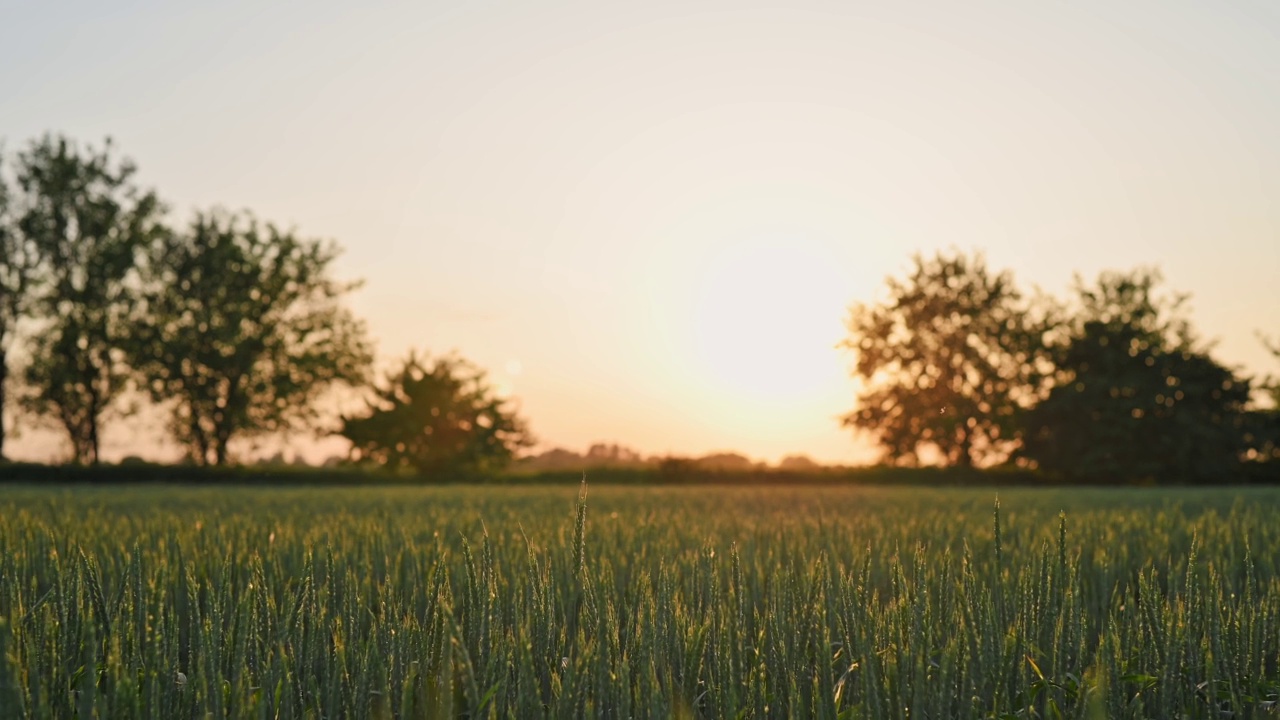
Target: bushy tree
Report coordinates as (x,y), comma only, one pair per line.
(86,223)
(947,362)
(1135,397)
(436,418)
(242,328)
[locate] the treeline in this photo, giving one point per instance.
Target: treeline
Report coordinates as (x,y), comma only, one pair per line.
(960,367)
(612,456)
(673,473)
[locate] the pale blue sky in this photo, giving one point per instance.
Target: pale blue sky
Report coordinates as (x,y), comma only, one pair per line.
(646,219)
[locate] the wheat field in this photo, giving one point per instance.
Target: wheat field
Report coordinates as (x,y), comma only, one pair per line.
(170,602)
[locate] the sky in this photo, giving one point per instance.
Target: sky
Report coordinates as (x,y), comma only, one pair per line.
(647,220)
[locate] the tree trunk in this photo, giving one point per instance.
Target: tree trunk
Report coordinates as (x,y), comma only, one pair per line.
(964,459)
(92,421)
(224,419)
(198,448)
(221,438)
(4,378)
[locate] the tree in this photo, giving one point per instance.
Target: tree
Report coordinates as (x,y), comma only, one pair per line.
(725,462)
(798,463)
(1135,397)
(437,417)
(948,361)
(17,288)
(241,329)
(1263,419)
(86,223)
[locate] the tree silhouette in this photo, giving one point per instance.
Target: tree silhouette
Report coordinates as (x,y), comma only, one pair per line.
(18,285)
(241,330)
(1263,421)
(798,463)
(437,418)
(611,454)
(86,223)
(947,362)
(1134,397)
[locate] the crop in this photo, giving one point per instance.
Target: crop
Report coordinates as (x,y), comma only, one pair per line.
(638,602)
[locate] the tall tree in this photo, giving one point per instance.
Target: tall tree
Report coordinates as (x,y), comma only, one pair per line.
(947,362)
(242,328)
(17,286)
(87,223)
(439,417)
(1135,396)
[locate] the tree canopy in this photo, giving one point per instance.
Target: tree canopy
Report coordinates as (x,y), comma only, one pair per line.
(947,362)
(1135,396)
(241,329)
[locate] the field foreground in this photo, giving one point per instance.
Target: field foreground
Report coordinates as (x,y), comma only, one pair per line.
(695,602)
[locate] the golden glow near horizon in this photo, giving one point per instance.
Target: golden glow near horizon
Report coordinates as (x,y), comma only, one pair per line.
(647,220)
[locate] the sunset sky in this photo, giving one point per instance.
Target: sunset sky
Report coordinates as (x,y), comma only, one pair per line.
(647,219)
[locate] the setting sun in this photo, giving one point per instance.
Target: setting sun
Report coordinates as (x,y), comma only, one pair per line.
(764,320)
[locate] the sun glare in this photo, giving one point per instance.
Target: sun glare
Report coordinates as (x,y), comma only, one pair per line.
(765,319)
